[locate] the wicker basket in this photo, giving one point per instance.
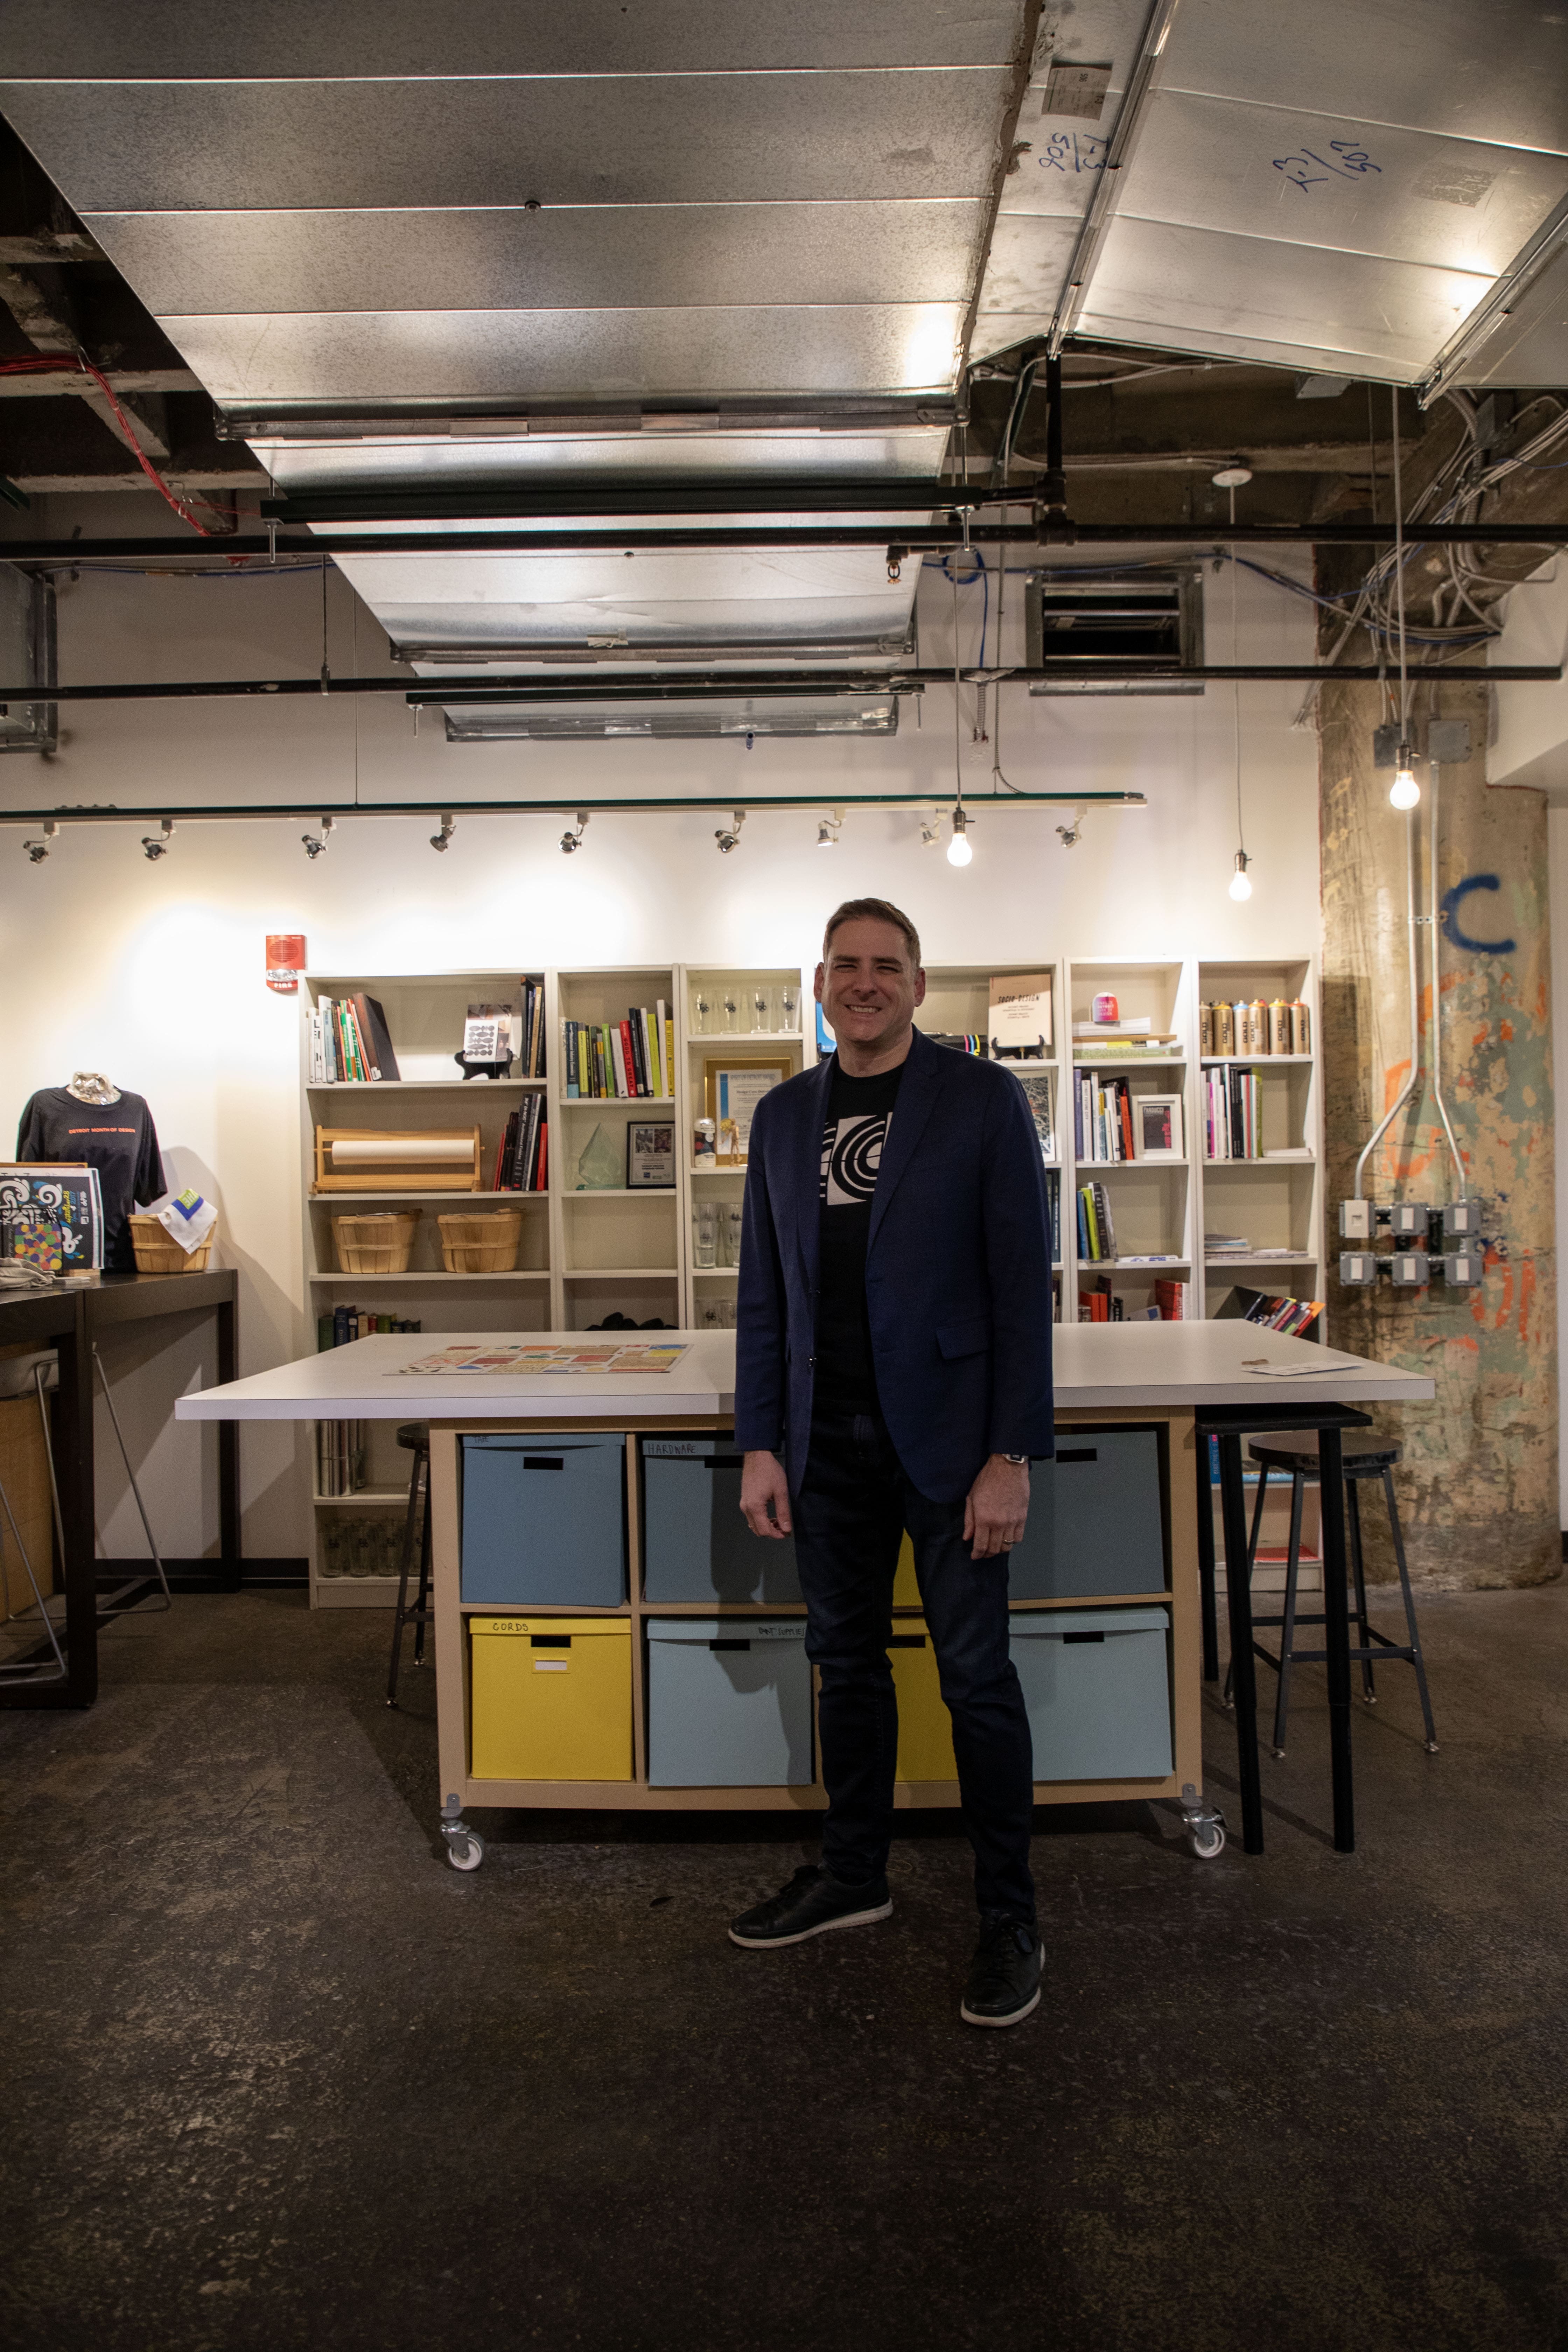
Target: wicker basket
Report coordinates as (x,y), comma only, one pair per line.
(481,1245)
(157,1250)
(382,1243)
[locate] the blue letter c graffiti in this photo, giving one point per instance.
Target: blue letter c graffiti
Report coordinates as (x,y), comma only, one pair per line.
(1452,901)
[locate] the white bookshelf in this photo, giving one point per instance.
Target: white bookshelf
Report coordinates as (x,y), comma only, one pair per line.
(584,1254)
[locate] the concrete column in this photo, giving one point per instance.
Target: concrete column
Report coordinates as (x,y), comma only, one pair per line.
(1478,1486)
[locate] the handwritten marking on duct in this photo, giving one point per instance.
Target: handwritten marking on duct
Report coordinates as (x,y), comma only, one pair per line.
(1071,152)
(1347,159)
(1452,901)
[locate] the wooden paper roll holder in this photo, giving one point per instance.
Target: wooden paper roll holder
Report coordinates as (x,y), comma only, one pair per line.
(462,1171)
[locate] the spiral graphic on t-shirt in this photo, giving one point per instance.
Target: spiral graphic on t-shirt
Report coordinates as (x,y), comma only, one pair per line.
(851,1155)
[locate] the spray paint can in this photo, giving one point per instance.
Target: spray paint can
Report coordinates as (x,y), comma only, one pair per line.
(1301,1027)
(1206,1030)
(1279,1027)
(1224,1030)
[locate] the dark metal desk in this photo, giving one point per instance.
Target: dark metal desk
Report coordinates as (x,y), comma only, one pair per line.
(69,1321)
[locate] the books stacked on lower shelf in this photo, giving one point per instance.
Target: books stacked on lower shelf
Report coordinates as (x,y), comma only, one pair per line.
(1098,1303)
(346,1323)
(1096,1226)
(1103,1116)
(1230,1111)
(522,1154)
(340,1457)
(1174,1301)
(620,1058)
(1295,1317)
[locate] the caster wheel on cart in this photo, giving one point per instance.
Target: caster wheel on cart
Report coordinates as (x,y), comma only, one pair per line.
(1208,1840)
(467,1851)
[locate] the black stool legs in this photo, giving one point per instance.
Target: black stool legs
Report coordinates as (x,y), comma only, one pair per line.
(417,1516)
(1370,1640)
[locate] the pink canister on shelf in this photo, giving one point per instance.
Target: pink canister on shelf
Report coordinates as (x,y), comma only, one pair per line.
(1105,1009)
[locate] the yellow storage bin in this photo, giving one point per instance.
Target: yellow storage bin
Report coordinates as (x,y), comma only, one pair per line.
(906,1585)
(551,1697)
(925,1729)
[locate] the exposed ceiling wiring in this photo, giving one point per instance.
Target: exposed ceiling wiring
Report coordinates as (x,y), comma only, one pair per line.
(73,363)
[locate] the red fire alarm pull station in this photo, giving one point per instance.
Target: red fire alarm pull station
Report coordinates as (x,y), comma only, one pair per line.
(285,960)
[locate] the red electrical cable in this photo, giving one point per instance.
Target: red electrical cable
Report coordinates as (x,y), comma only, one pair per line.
(44,363)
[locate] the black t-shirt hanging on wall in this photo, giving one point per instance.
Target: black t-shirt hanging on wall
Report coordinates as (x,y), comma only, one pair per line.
(860,1111)
(117,1139)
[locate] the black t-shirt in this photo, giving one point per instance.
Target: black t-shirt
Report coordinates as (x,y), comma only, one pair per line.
(117,1139)
(860,1111)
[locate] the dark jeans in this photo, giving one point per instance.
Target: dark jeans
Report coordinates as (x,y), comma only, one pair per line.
(850,1515)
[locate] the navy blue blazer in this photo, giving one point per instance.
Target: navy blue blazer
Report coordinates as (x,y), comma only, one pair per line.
(958,1272)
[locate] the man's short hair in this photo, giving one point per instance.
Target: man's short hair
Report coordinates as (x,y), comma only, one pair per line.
(875,910)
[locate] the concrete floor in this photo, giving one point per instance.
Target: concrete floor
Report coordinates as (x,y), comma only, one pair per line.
(274,2076)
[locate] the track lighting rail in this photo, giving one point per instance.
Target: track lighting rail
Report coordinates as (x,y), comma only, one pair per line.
(327,813)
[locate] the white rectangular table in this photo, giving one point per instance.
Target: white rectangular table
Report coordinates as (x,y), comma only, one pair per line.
(1152,1373)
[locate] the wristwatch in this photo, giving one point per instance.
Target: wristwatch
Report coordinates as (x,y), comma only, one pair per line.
(1014,1457)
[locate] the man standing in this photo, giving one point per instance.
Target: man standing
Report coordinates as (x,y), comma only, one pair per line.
(893,1371)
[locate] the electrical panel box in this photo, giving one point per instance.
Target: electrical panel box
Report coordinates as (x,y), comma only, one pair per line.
(1464,1269)
(1409,1217)
(1411,1269)
(1462,1217)
(1358,1267)
(1449,742)
(1356,1221)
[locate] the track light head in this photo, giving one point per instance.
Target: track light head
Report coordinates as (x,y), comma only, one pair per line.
(930,831)
(156,845)
(39,850)
(573,841)
(440,840)
(315,845)
(827,829)
(729,840)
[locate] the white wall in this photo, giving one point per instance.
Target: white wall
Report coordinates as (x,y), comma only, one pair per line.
(153,973)
(1529,734)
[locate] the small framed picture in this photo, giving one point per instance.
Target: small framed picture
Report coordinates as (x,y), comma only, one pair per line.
(1157,1129)
(651,1155)
(732,1089)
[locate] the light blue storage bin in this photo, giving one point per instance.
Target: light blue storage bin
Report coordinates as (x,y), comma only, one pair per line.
(729,1703)
(1096,1683)
(1096,1525)
(696,1545)
(544,1519)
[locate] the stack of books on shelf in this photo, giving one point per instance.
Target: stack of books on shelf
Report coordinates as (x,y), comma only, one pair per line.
(1102,1117)
(628,1058)
(340,1457)
(1098,1303)
(348,1042)
(1294,1316)
(1230,1111)
(1093,1041)
(1096,1228)
(346,1323)
(523,1153)
(1224,1245)
(1174,1301)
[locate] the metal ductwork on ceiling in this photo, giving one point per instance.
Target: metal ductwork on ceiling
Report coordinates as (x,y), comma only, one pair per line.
(458,250)
(1360,188)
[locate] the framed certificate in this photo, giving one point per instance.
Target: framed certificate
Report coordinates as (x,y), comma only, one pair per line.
(733,1086)
(651,1155)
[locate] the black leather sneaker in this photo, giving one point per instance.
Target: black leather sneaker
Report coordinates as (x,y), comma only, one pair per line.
(810,1905)
(1004,1974)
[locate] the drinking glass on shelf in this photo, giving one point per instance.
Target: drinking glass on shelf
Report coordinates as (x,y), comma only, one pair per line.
(762,1007)
(705,1232)
(726,1311)
(733,1219)
(789,1005)
(731,1005)
(701,1012)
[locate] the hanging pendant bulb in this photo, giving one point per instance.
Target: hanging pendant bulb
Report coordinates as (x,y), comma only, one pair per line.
(1240,884)
(1405,791)
(958,852)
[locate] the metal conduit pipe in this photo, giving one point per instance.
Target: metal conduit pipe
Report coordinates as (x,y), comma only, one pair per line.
(1436,935)
(1408,1087)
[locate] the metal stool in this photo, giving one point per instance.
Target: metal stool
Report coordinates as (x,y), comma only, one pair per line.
(416,1436)
(1296,1452)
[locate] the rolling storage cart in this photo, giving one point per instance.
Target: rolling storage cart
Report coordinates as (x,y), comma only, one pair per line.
(696,1695)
